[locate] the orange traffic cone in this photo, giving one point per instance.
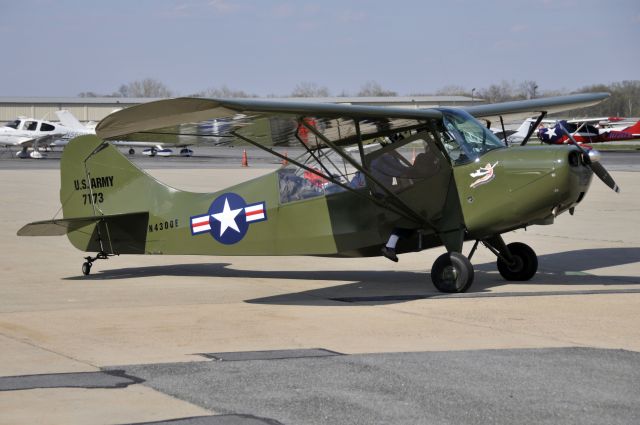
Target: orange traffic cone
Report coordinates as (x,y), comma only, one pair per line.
(245,162)
(285,161)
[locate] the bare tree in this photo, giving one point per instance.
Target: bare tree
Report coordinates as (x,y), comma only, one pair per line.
(624,100)
(308,89)
(452,90)
(148,87)
(373,89)
(497,92)
(224,92)
(528,89)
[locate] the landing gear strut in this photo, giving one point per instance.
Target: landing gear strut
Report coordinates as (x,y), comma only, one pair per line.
(86,266)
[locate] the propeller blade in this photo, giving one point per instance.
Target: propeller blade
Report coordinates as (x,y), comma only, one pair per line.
(597,168)
(604,175)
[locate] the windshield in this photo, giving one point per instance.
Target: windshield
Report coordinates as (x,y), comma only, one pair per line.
(13,124)
(466,139)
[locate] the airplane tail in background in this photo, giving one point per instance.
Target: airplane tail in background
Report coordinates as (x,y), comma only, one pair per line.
(634,129)
(522,131)
(69,120)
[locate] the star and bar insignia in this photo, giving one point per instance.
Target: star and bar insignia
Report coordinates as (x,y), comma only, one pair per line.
(228,218)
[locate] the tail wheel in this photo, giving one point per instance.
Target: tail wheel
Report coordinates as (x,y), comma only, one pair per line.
(524,266)
(452,272)
(86,268)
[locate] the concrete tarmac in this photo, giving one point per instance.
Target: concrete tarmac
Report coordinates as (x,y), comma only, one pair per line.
(225,339)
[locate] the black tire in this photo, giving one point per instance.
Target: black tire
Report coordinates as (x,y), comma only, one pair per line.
(452,273)
(86,268)
(132,151)
(526,263)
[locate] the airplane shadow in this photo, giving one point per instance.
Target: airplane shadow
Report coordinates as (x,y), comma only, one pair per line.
(388,287)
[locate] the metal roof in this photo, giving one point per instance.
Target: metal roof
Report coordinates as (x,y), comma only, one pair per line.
(76,100)
(138,100)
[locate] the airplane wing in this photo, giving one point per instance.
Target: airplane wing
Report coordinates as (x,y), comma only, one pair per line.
(270,122)
(521,109)
(277,123)
(26,141)
(10,140)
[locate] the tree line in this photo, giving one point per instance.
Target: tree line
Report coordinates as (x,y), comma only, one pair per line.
(624,100)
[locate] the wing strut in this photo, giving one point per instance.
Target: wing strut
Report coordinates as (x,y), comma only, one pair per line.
(409,212)
(533,127)
(329,177)
(504,133)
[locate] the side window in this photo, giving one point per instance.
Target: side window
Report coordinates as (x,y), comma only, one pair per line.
(31,125)
(46,127)
(405,162)
(296,183)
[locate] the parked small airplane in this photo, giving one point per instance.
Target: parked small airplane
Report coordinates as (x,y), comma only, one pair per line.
(32,133)
(35,134)
(354,186)
(584,132)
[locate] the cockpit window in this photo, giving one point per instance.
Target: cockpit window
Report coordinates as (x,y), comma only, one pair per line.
(31,125)
(465,138)
(13,124)
(409,159)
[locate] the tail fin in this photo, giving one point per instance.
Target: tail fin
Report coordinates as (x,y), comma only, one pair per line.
(522,131)
(634,129)
(98,182)
(69,120)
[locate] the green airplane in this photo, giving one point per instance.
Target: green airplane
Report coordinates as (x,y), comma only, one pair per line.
(373,181)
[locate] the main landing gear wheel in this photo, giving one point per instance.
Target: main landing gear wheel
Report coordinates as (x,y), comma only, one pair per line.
(132,151)
(524,266)
(452,272)
(86,268)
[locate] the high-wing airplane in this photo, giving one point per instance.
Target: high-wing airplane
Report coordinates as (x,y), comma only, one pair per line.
(585,131)
(354,187)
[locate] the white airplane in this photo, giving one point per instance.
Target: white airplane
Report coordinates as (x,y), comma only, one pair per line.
(35,134)
(32,133)
(518,135)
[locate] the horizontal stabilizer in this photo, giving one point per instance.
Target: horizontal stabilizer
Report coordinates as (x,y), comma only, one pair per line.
(60,227)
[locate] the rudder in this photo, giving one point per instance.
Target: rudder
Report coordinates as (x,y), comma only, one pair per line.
(97,180)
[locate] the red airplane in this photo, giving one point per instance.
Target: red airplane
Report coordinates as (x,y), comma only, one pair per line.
(583,132)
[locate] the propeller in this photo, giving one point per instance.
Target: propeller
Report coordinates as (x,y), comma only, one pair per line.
(592,159)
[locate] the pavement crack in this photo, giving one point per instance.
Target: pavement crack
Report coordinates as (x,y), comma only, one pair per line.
(34,345)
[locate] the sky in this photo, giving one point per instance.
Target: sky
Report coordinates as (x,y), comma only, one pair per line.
(64,47)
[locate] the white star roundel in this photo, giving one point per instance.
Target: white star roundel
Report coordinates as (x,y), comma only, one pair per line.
(228,218)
